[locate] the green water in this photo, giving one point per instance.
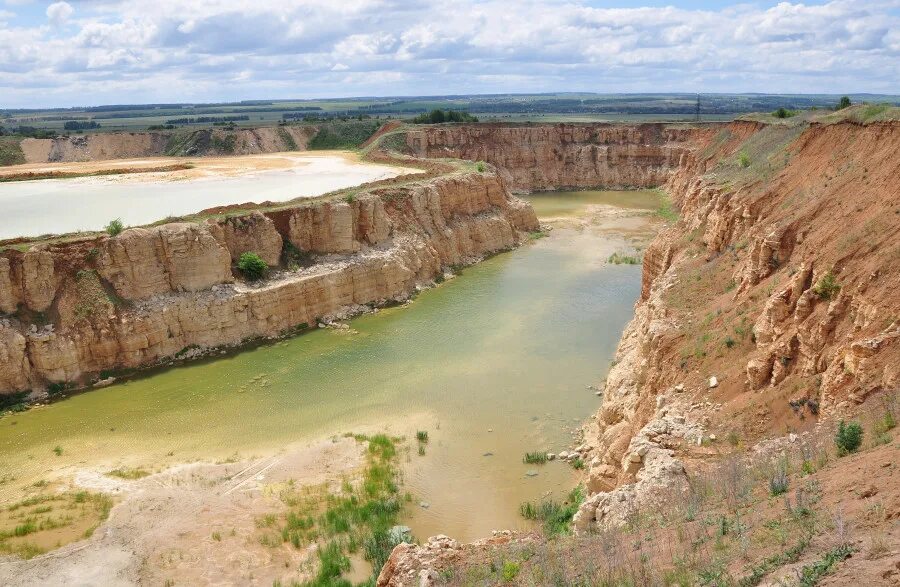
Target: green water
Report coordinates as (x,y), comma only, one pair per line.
(554,204)
(495,361)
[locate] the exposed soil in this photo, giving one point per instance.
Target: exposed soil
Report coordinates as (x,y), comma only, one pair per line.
(193,524)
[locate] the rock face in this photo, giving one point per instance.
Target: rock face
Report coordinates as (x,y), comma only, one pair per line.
(148,293)
(543,157)
(763,242)
(197,143)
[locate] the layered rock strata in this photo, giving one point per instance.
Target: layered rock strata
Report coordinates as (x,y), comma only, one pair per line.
(545,157)
(73,310)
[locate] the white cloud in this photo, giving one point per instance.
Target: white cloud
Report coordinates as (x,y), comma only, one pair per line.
(186,49)
(59,12)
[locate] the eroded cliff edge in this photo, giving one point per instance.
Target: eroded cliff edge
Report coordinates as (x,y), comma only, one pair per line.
(769,309)
(535,157)
(77,308)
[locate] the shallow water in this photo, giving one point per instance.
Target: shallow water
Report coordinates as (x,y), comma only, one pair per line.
(32,208)
(496,361)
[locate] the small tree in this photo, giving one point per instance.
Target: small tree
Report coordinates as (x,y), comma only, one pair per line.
(781,113)
(848,438)
(252,266)
(115,227)
(843,103)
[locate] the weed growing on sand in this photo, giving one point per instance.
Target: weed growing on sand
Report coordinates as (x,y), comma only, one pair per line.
(57,450)
(537,234)
(810,575)
(130,474)
(510,571)
(666,210)
(361,515)
(556,517)
(622,259)
(115,227)
(422,436)
(778,482)
(848,438)
(480,166)
(744,159)
(535,458)
(827,286)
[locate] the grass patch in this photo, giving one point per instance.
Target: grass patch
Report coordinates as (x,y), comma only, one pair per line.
(130,474)
(11,151)
(361,516)
(810,575)
(535,458)
(343,134)
(556,517)
(666,210)
(622,259)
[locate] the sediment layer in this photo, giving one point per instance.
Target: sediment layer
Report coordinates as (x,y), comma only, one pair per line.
(196,143)
(545,157)
(78,308)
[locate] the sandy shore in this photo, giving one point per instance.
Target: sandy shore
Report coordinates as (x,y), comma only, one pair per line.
(201,166)
(195,524)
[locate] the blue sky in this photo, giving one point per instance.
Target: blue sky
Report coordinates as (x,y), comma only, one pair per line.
(112,51)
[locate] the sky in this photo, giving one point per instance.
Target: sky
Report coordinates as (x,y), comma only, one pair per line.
(90,52)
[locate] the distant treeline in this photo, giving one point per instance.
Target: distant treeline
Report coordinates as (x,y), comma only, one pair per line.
(28,131)
(80,125)
(342,115)
(439,116)
(208,119)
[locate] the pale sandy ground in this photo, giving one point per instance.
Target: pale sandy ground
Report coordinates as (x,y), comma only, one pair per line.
(203,166)
(162,526)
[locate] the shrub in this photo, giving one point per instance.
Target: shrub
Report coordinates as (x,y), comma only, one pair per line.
(784,113)
(827,286)
(115,227)
(778,483)
(744,159)
(510,571)
(422,436)
(252,266)
(843,103)
(848,438)
(480,166)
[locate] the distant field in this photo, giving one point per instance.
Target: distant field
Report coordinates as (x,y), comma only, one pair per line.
(563,107)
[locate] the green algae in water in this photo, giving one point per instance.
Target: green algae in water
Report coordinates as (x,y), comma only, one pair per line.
(495,361)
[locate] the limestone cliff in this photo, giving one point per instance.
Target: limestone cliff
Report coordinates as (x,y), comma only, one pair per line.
(74,309)
(544,157)
(779,280)
(194,143)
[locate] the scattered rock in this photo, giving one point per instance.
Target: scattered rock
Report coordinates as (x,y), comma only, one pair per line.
(713,382)
(531,473)
(424,504)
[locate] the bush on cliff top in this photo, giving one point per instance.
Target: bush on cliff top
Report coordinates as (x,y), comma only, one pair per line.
(115,227)
(252,266)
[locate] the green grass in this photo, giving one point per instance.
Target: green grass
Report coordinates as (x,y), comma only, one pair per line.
(622,259)
(348,134)
(827,286)
(810,575)
(556,517)
(359,517)
(666,210)
(535,458)
(422,436)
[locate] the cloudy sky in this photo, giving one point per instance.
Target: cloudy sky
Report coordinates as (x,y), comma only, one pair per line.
(105,51)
